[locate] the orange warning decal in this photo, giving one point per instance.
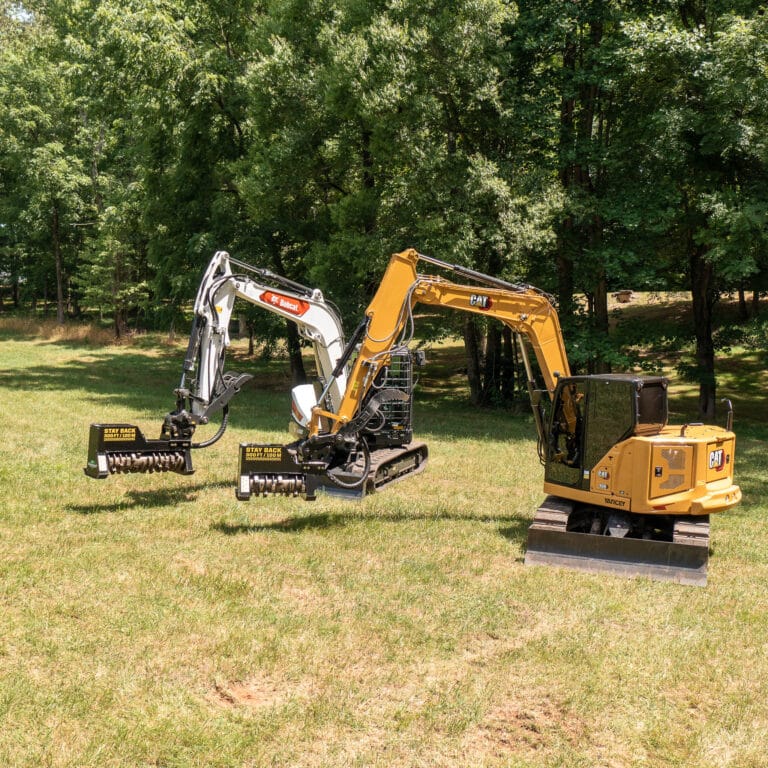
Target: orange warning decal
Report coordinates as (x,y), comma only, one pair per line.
(286,303)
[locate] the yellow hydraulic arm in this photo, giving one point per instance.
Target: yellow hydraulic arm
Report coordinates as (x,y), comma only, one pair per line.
(524,309)
(627,493)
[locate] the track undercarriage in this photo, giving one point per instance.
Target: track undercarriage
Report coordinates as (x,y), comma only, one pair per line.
(663,548)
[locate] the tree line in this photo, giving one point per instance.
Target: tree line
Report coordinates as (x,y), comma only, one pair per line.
(579,145)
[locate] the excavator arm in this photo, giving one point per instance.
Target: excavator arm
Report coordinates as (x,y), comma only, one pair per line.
(211,388)
(627,493)
(526,310)
(206,388)
(336,454)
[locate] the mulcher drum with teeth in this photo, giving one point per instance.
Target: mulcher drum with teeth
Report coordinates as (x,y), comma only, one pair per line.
(122,449)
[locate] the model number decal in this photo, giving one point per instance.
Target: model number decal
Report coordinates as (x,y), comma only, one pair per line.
(717,459)
(480,301)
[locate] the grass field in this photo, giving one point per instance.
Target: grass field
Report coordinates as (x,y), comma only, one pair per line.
(153,620)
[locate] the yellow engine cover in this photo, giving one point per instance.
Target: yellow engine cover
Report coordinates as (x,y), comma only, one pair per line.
(671,470)
(681,472)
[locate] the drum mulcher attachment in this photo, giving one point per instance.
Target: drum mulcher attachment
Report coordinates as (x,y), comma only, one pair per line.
(122,448)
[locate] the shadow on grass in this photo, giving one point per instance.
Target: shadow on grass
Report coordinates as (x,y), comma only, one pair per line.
(517,531)
(164,497)
(132,379)
(286,525)
(514,528)
(145,382)
(751,467)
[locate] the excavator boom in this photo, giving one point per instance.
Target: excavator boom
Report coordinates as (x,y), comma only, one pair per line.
(626,492)
(206,388)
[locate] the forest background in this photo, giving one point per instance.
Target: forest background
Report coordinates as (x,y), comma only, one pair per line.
(582,146)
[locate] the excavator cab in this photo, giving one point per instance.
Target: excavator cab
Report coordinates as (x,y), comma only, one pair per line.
(592,414)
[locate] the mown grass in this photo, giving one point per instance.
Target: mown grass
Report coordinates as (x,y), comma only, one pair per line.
(153,620)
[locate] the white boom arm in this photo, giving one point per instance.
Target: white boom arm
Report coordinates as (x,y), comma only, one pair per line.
(316,320)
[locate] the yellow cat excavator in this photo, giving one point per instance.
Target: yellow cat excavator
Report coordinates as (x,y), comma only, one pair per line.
(626,492)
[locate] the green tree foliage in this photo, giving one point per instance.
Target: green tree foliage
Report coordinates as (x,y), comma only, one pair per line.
(583,146)
(43,175)
(698,90)
(379,126)
(183,126)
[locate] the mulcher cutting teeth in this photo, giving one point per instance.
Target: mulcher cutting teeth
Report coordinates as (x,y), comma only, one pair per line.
(122,448)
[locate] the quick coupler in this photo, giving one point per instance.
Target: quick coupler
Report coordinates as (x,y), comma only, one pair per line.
(122,448)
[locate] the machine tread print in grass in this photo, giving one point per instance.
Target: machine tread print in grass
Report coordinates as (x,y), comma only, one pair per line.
(627,493)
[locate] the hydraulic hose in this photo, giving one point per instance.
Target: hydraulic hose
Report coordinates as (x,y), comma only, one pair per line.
(222,428)
(357,336)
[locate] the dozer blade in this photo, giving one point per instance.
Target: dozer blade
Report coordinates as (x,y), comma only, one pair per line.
(683,560)
(122,448)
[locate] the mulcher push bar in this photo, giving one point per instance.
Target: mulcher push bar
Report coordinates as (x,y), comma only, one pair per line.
(122,448)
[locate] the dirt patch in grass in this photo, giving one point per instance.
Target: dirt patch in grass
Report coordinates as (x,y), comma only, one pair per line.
(260,692)
(523,721)
(189,566)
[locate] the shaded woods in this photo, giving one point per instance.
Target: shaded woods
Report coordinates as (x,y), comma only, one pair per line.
(582,147)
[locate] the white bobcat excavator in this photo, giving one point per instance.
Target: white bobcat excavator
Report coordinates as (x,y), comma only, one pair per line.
(206,388)
(626,492)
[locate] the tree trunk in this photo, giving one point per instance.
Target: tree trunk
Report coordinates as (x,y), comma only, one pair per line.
(298,373)
(743,310)
(119,310)
(472,351)
(704,297)
(583,134)
(507,367)
(56,235)
(601,323)
(120,322)
(755,302)
(565,282)
(491,390)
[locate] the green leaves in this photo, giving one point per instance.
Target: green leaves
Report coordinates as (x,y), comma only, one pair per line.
(584,147)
